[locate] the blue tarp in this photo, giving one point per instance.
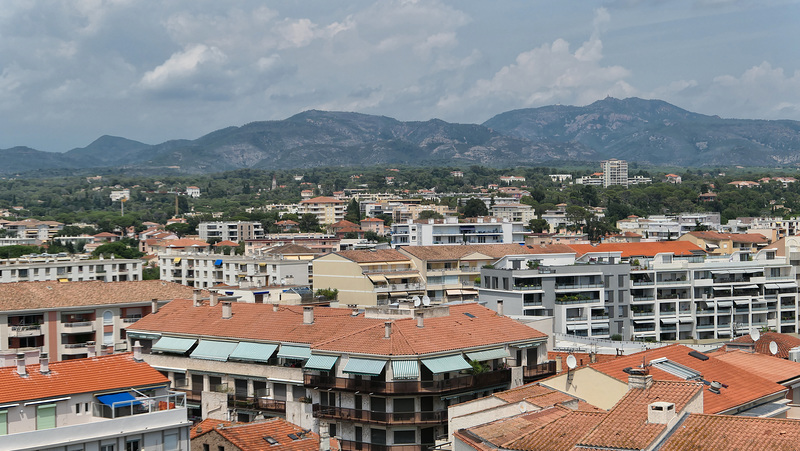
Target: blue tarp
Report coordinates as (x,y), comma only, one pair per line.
(119,400)
(218,262)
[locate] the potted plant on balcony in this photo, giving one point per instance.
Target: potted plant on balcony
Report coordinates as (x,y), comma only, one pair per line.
(478,367)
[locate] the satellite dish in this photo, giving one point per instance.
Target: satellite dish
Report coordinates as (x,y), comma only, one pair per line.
(426,301)
(416,301)
(755,334)
(571,362)
(773,347)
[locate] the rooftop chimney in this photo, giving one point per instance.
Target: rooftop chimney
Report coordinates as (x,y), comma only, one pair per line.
(154,306)
(214,297)
(275,307)
(638,378)
(227,310)
(196,297)
(137,351)
(499,307)
(387,329)
(44,363)
(21,364)
(308,315)
(324,436)
(661,412)
(420,319)
(90,349)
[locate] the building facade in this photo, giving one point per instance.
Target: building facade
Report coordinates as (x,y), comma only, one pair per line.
(230,230)
(615,172)
(327,209)
(203,270)
(484,230)
(69,269)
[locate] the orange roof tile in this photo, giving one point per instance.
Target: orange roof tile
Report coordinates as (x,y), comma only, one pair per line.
(322,200)
(376,255)
(226,243)
(495,251)
(726,432)
(184,242)
(785,343)
(206,425)
(251,436)
(67,377)
(771,368)
(337,330)
(560,433)
(735,237)
(648,249)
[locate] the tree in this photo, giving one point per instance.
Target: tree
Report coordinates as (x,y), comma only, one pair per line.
(180,229)
(538,225)
(308,223)
(118,249)
(475,208)
(150,273)
(353,212)
(430,214)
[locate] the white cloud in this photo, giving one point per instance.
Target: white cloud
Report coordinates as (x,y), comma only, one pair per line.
(181,65)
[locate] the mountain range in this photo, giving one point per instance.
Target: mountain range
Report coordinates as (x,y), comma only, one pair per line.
(646,131)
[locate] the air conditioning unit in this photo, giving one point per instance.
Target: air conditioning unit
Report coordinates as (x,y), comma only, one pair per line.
(794,354)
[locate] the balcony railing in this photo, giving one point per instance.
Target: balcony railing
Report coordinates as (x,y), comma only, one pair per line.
(570,286)
(25,331)
(142,405)
(534,372)
(78,324)
(254,402)
(491,378)
(388,418)
(351,445)
(75,345)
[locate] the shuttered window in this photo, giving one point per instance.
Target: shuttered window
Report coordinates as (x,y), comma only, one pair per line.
(46,416)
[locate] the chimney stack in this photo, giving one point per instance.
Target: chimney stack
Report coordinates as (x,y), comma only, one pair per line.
(90,349)
(275,307)
(420,319)
(44,363)
(196,297)
(21,364)
(227,310)
(638,378)
(308,315)
(154,306)
(214,298)
(661,412)
(324,436)
(137,351)
(387,329)
(499,307)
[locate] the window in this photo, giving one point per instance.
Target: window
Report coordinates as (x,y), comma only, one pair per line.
(45,416)
(3,422)
(220,448)
(206,447)
(106,447)
(405,437)
(108,318)
(77,408)
(133,445)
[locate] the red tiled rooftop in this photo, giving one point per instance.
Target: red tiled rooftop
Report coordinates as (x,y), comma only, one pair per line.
(250,436)
(494,251)
(735,237)
(647,249)
(560,433)
(322,200)
(785,342)
(226,243)
(724,432)
(769,367)
(376,255)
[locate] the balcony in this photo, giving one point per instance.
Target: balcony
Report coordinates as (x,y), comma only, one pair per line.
(471,382)
(131,319)
(75,348)
(639,283)
(651,313)
(25,331)
(351,445)
(642,298)
(399,287)
(578,286)
(540,371)
(374,417)
(526,287)
(144,406)
(256,403)
(78,327)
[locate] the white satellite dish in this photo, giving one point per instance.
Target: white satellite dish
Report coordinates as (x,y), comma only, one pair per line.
(426,301)
(571,362)
(755,334)
(773,347)
(416,301)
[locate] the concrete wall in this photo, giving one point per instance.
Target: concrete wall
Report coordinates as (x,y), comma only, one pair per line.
(590,385)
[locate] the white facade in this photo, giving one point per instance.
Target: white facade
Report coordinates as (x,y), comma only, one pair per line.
(120,194)
(67,269)
(202,270)
(230,231)
(451,231)
(615,172)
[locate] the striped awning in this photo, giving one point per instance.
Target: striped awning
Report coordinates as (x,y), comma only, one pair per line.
(294,352)
(143,335)
(214,350)
(446,364)
(256,352)
(577,327)
(489,354)
(174,344)
(321,362)
(405,369)
(377,278)
(366,367)
(397,294)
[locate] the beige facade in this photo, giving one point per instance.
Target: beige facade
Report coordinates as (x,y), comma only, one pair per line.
(327,209)
(591,385)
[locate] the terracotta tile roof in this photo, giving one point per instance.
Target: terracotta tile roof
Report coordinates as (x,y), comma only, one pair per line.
(337,330)
(184,242)
(51,294)
(785,342)
(626,425)
(726,432)
(67,377)
(771,368)
(742,387)
(376,255)
(560,432)
(648,249)
(342,224)
(250,436)
(206,425)
(583,358)
(494,251)
(521,393)
(372,220)
(735,237)
(322,200)
(290,249)
(226,243)
(287,222)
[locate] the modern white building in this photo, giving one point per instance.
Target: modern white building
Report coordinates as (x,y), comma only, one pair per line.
(69,269)
(230,230)
(615,172)
(327,209)
(484,230)
(515,212)
(203,270)
(107,403)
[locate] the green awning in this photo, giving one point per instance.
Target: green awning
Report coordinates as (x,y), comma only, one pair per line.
(294,352)
(527,345)
(256,352)
(321,362)
(366,367)
(213,350)
(446,364)
(142,335)
(405,369)
(174,344)
(489,354)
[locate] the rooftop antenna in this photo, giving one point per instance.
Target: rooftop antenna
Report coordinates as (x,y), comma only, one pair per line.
(416,300)
(426,301)
(572,363)
(773,347)
(755,334)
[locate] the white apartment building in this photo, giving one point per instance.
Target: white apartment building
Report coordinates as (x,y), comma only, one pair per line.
(32,229)
(230,230)
(107,403)
(615,172)
(513,212)
(327,209)
(69,269)
(120,195)
(666,227)
(484,230)
(203,270)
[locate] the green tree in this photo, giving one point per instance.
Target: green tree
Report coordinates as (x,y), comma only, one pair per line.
(180,229)
(150,273)
(353,212)
(118,249)
(430,214)
(475,208)
(538,225)
(308,223)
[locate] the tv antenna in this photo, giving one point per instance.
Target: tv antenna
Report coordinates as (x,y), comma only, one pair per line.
(773,347)
(426,301)
(755,334)
(416,300)
(572,362)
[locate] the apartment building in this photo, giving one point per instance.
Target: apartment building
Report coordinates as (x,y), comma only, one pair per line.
(69,269)
(726,243)
(320,243)
(115,402)
(327,209)
(69,320)
(32,229)
(513,212)
(203,270)
(615,172)
(369,277)
(483,230)
(382,377)
(230,230)
(667,227)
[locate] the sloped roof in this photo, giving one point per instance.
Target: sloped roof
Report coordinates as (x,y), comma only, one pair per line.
(251,436)
(226,243)
(67,377)
(785,342)
(51,294)
(338,331)
(727,432)
(184,242)
(373,255)
(735,237)
(742,387)
(322,200)
(343,224)
(495,251)
(647,249)
(771,368)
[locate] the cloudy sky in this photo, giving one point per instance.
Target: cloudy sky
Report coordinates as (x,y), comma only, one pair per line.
(73,70)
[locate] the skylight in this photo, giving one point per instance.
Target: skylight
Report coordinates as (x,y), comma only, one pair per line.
(676,369)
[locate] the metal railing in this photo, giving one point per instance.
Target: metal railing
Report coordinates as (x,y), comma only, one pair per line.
(538,371)
(497,377)
(78,324)
(370,416)
(255,402)
(141,405)
(352,445)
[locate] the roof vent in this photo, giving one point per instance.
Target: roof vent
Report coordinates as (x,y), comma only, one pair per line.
(715,387)
(698,355)
(660,412)
(270,440)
